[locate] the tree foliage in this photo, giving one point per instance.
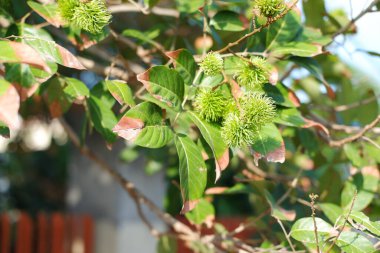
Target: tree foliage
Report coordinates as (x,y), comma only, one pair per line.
(246,98)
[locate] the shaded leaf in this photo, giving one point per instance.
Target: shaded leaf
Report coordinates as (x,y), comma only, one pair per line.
(212,134)
(228,21)
(332,211)
(102,117)
(57,100)
(184,63)
(48,11)
(4,130)
(167,244)
(192,172)
(269,145)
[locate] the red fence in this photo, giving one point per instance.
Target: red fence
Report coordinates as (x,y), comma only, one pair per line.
(55,233)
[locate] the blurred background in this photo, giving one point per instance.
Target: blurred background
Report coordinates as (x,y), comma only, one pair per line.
(46,182)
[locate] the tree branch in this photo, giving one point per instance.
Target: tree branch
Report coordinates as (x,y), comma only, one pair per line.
(360,134)
(138,197)
(257,30)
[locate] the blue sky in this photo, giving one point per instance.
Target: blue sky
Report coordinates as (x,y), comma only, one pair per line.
(367,38)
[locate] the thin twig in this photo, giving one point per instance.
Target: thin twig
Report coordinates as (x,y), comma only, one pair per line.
(345,222)
(259,29)
(360,134)
(342,108)
(138,197)
(286,235)
(313,197)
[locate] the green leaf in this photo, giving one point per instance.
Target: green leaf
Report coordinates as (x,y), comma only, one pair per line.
(269,144)
(212,134)
(121,92)
(297,49)
(102,117)
(20,74)
(366,183)
(76,89)
(277,211)
(167,244)
(184,63)
(364,221)
(290,117)
(53,52)
(280,94)
(189,6)
(16,52)
(150,3)
(284,30)
(192,171)
(144,125)
(4,130)
(332,211)
(203,213)
(353,153)
(58,101)
(48,11)
(165,85)
(227,21)
(351,242)
(142,36)
(303,230)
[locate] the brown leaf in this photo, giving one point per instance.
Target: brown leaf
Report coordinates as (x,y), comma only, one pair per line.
(276,156)
(26,92)
(310,123)
(215,190)
(128,128)
(68,59)
(221,163)
(9,106)
(189,205)
(26,54)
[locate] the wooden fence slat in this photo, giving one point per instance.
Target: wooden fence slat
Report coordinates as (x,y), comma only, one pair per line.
(88,234)
(42,233)
(24,241)
(5,234)
(58,233)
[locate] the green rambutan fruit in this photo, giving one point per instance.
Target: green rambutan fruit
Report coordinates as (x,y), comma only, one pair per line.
(253,73)
(212,64)
(66,8)
(270,8)
(210,105)
(242,125)
(91,15)
(258,109)
(236,132)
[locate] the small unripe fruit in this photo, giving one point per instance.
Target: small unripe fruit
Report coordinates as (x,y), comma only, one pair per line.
(91,15)
(254,73)
(270,8)
(212,64)
(242,126)
(210,105)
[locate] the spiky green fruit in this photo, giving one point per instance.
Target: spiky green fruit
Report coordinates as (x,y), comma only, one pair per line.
(91,16)
(67,7)
(270,8)
(212,64)
(241,127)
(210,105)
(254,73)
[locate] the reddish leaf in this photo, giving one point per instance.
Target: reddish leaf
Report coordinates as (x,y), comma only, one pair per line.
(276,156)
(21,53)
(318,126)
(9,104)
(128,128)
(189,205)
(69,60)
